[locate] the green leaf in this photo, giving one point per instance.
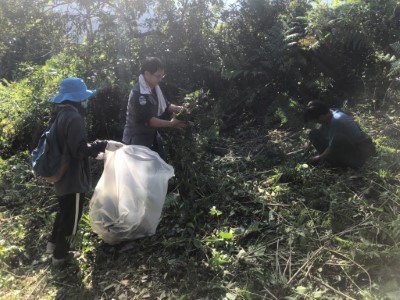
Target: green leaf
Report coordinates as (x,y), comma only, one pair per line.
(215,212)
(230,296)
(302,290)
(226,235)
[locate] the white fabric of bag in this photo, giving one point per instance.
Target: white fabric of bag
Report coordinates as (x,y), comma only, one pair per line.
(129,197)
(145,89)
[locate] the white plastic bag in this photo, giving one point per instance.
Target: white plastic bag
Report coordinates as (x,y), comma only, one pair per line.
(130,194)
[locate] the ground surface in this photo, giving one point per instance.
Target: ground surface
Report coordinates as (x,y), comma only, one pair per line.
(251,223)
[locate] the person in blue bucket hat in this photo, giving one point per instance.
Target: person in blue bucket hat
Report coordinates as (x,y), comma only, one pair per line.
(70,104)
(73,89)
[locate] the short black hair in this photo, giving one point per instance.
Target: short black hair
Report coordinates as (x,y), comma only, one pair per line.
(152,65)
(314,110)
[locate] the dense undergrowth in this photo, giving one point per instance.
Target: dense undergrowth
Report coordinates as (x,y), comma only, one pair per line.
(244,221)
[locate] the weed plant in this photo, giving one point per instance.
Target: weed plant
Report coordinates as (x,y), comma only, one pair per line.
(243,220)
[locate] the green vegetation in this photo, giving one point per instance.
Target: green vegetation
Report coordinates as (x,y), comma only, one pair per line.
(244,219)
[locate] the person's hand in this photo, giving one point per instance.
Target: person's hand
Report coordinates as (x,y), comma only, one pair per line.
(175,123)
(176,108)
(315,160)
(180,108)
(113,145)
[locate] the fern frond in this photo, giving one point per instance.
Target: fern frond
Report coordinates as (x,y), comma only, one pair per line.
(355,40)
(395,61)
(393,92)
(396,48)
(292,36)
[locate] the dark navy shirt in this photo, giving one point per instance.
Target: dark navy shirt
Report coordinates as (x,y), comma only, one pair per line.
(141,108)
(345,125)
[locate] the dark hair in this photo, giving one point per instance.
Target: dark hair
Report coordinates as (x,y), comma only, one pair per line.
(77,105)
(151,64)
(314,110)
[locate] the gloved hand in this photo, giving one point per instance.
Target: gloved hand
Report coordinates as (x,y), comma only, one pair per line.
(113,145)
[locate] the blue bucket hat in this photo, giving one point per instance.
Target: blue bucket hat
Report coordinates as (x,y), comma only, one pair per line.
(72,89)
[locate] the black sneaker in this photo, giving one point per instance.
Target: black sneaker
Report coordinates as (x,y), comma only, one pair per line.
(58,262)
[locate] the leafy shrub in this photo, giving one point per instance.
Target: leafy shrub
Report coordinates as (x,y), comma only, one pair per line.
(26,107)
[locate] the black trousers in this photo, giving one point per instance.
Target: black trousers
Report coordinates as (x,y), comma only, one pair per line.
(158,146)
(344,152)
(66,222)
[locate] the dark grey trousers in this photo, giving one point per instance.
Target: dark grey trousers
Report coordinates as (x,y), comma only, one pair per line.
(66,222)
(344,152)
(158,146)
